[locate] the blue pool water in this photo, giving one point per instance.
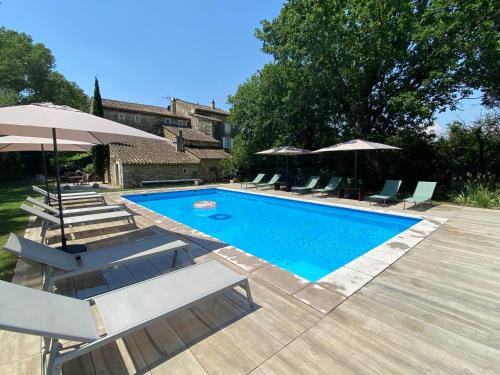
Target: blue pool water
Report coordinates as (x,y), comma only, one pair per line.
(308,239)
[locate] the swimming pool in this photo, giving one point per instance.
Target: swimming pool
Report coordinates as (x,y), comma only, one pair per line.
(308,239)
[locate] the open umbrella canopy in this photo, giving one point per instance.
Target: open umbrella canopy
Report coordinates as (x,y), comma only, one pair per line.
(16,143)
(62,122)
(285,151)
(38,120)
(355,145)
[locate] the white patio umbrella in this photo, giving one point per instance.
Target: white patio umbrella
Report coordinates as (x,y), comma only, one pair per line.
(356,145)
(285,151)
(11,143)
(47,120)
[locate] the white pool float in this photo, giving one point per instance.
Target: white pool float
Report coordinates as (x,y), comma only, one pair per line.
(205,205)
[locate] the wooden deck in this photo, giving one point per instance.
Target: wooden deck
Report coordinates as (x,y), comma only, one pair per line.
(436,310)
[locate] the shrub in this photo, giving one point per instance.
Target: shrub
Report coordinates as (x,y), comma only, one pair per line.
(481,191)
(89,168)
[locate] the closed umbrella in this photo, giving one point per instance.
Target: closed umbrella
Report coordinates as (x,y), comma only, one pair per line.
(16,143)
(47,120)
(356,145)
(285,151)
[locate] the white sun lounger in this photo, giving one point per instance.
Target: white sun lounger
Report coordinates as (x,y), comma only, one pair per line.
(61,265)
(43,191)
(74,211)
(123,311)
(51,221)
(72,197)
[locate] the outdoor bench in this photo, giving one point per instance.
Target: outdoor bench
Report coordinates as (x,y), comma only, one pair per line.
(175,181)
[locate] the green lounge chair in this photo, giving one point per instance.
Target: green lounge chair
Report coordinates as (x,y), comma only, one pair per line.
(257,180)
(333,185)
(423,194)
(269,183)
(388,192)
(313,181)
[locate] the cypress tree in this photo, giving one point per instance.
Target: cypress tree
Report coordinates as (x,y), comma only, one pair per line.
(97,109)
(99,152)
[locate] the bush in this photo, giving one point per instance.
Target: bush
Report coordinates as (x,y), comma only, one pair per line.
(481,191)
(89,168)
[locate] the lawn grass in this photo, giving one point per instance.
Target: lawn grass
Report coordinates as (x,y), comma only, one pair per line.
(12,219)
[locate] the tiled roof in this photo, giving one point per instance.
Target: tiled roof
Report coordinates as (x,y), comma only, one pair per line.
(147,151)
(138,108)
(208,153)
(205,108)
(204,117)
(190,135)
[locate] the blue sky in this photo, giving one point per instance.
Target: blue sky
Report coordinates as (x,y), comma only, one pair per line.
(146,51)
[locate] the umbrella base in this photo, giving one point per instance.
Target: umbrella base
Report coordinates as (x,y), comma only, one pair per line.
(74,249)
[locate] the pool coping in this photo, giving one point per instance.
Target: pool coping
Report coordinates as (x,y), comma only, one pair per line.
(332,289)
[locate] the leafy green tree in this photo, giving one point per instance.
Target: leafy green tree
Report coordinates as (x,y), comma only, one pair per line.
(27,74)
(387,65)
(99,152)
(366,68)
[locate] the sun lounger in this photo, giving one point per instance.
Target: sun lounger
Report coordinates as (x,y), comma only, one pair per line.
(73,211)
(257,180)
(389,192)
(269,183)
(313,181)
(423,194)
(61,265)
(51,221)
(72,197)
(333,185)
(121,311)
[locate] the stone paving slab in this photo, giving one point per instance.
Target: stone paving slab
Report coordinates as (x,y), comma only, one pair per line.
(320,298)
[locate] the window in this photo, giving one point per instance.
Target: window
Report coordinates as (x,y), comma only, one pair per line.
(137,119)
(227,142)
(227,128)
(167,121)
(184,170)
(121,117)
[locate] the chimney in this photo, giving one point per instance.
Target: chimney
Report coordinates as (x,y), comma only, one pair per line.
(212,104)
(179,142)
(173,105)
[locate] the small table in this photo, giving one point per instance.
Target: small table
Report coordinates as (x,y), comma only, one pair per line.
(350,190)
(75,179)
(279,184)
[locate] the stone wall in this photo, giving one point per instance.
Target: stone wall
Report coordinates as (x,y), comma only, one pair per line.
(149,123)
(202,125)
(134,174)
(210,170)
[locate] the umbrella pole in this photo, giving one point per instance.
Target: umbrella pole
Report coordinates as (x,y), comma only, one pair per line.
(287,179)
(355,167)
(73,249)
(46,175)
(58,184)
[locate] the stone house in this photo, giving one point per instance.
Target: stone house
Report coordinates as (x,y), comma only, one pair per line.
(210,120)
(188,153)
